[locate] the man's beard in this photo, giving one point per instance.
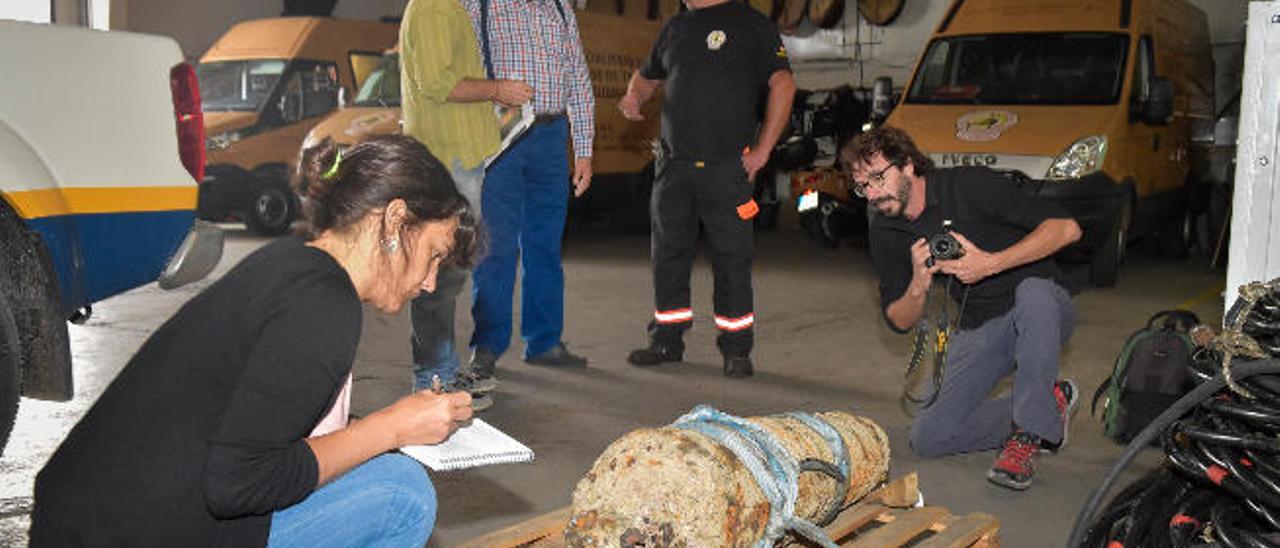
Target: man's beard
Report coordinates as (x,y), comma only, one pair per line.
(900,198)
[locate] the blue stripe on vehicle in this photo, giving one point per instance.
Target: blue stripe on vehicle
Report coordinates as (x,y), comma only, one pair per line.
(99,255)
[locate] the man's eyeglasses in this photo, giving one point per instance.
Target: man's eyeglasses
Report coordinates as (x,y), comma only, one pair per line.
(877,177)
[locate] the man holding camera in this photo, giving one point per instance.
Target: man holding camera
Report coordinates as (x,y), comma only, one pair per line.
(1013,314)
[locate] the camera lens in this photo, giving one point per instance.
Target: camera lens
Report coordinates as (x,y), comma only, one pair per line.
(944,247)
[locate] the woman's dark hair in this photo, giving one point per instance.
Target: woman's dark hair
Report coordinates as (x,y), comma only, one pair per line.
(340,186)
(892,143)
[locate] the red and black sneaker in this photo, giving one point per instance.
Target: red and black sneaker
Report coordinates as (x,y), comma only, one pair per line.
(1012,468)
(1067,398)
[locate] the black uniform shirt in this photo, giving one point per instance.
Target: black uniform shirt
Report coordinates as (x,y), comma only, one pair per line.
(984,208)
(201,436)
(715,63)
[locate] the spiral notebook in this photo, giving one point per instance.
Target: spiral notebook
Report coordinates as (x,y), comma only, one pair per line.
(477,444)
(513,123)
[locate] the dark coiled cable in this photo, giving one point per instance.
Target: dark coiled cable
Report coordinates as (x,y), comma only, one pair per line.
(1222,443)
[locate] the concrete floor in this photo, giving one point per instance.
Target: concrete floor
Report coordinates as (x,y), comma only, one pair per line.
(820,345)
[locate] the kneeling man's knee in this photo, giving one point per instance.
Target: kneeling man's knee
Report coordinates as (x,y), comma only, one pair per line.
(927,438)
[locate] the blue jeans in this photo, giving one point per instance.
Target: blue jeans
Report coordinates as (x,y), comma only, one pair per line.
(526,195)
(431,314)
(1025,342)
(387,501)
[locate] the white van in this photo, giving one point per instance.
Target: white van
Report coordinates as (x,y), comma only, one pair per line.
(101,145)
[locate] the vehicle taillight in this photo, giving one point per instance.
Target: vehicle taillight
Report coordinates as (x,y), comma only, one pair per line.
(190,118)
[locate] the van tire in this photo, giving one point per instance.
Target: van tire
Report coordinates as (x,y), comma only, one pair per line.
(270,210)
(631,214)
(1178,235)
(1104,266)
(10,365)
(766,197)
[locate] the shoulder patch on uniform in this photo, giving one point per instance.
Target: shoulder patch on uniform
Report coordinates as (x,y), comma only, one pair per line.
(716,40)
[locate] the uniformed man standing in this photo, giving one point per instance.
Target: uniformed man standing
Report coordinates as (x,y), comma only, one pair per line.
(715,62)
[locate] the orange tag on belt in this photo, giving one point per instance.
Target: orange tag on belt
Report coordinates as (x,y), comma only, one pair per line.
(748,210)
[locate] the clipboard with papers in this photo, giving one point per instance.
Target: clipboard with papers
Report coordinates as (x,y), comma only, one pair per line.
(477,444)
(513,123)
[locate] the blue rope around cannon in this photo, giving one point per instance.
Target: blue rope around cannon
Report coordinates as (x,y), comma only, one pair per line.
(776,472)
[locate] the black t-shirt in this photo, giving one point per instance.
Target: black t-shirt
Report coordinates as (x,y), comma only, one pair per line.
(990,212)
(200,437)
(715,63)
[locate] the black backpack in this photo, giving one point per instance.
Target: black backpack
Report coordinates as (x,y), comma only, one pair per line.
(1149,374)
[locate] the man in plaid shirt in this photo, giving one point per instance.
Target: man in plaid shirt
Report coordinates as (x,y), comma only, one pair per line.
(526,189)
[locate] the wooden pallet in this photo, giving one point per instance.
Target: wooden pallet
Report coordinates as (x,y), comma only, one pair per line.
(885,518)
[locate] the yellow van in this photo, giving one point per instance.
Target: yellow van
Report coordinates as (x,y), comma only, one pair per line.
(1087,102)
(264,84)
(614,46)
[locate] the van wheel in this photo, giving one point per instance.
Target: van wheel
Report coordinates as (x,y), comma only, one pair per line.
(765,194)
(1176,238)
(818,225)
(1104,267)
(632,215)
(10,355)
(270,210)
(767,218)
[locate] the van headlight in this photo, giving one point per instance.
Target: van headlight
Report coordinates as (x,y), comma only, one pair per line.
(1083,157)
(222,140)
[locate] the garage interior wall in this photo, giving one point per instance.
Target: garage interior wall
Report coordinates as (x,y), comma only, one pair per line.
(853,53)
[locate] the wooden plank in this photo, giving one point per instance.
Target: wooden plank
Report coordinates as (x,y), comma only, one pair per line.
(852,519)
(902,492)
(963,532)
(525,532)
(905,525)
(895,493)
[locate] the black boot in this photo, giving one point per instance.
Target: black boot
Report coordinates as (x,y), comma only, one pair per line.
(738,367)
(655,354)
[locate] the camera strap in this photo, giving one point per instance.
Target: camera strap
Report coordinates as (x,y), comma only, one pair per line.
(938,334)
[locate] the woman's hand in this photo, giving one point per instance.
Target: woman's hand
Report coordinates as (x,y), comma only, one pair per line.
(421,418)
(428,417)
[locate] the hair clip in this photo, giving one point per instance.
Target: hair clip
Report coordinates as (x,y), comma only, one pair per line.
(333,171)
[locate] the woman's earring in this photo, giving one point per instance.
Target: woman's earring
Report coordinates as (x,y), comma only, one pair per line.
(391,245)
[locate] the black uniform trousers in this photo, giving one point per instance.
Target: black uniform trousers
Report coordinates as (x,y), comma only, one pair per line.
(717,194)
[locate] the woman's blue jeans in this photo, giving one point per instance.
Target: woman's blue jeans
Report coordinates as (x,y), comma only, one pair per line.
(387,501)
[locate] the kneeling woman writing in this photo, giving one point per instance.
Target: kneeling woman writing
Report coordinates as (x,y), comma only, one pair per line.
(212,435)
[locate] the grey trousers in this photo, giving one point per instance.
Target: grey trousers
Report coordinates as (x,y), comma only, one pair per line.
(1025,342)
(431,314)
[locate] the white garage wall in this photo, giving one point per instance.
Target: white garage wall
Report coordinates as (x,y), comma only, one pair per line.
(855,53)
(31,11)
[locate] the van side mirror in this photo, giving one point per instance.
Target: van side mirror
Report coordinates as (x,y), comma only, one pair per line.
(881,98)
(1159,106)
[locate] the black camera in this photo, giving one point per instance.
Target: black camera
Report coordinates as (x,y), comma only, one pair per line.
(943,247)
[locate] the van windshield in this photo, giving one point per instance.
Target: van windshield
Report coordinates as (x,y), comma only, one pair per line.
(1022,69)
(238,85)
(382,87)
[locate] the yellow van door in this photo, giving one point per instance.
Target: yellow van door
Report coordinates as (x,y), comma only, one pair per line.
(1147,152)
